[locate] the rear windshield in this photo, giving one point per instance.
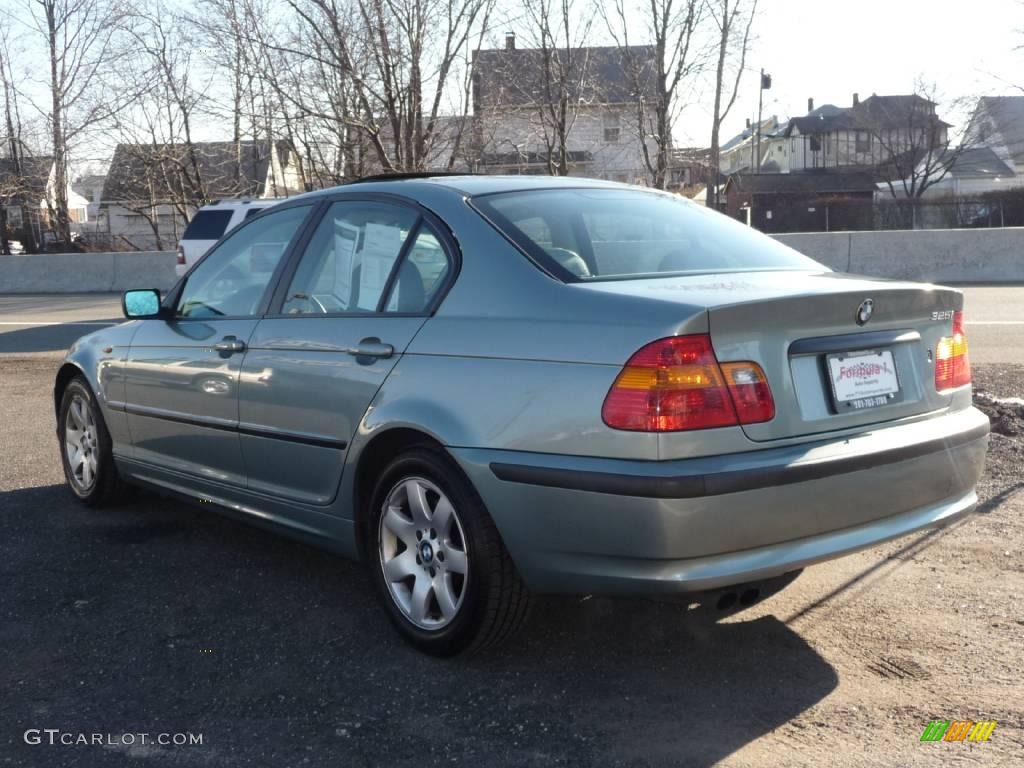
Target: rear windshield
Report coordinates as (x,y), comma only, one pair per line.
(607,234)
(207,225)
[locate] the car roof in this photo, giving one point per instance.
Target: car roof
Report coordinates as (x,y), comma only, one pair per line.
(465,185)
(230,203)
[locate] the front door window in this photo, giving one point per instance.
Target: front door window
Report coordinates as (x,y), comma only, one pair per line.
(231,281)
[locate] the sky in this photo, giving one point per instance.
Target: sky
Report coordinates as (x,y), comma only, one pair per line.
(830,50)
(812,48)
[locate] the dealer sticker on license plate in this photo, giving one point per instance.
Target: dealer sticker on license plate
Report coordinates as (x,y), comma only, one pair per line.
(863,379)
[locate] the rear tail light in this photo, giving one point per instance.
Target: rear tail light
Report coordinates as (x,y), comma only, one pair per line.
(676,384)
(750,392)
(952,368)
(181,256)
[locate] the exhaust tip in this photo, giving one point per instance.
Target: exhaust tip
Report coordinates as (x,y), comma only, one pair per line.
(726,601)
(750,596)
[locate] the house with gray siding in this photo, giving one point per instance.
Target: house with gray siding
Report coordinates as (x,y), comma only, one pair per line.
(606,88)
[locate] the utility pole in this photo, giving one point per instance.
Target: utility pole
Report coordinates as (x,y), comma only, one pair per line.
(750,130)
(766,83)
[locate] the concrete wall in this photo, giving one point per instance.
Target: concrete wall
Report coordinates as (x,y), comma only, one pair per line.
(938,255)
(86,272)
(933,255)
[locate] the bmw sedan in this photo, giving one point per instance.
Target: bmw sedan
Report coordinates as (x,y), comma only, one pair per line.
(492,387)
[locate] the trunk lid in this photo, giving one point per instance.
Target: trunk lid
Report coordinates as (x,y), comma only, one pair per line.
(791,323)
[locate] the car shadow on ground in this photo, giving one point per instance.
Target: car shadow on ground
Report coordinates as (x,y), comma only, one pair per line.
(45,338)
(162,616)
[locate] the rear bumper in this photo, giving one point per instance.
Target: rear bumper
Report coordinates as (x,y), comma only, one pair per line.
(577,524)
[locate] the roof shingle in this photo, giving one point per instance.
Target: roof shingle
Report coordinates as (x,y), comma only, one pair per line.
(168,167)
(606,75)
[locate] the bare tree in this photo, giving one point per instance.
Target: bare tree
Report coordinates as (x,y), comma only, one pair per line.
(226,26)
(161,172)
(393,60)
(917,149)
(79,37)
(556,79)
(732,23)
(15,180)
(671,26)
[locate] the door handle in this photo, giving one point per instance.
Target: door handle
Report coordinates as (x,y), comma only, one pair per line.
(230,345)
(371,347)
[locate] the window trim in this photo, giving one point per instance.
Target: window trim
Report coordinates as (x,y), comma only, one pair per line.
(866,141)
(424,217)
(170,302)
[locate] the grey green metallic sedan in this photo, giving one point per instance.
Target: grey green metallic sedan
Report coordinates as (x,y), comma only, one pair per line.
(487,387)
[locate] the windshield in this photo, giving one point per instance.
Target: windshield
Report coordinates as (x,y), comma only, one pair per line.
(607,234)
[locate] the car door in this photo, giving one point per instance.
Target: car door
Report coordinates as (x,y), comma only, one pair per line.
(181,379)
(347,308)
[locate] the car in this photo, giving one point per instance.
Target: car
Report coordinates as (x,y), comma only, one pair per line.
(210,223)
(490,388)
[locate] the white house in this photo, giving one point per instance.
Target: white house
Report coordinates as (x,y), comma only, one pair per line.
(28,197)
(996,134)
(868,134)
(740,152)
(606,86)
(151,191)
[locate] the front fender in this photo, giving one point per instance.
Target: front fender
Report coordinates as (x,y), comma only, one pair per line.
(101,357)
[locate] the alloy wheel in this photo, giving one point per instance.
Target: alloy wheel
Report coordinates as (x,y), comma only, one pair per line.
(422,553)
(81,444)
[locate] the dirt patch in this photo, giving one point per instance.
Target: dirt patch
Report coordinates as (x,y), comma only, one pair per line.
(1006,414)
(999,392)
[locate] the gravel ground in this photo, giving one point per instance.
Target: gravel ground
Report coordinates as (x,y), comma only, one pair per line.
(162,617)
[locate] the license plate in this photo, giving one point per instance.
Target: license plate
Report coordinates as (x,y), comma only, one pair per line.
(863,379)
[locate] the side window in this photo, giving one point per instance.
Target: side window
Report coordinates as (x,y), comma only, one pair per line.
(207,225)
(233,278)
(351,258)
(421,275)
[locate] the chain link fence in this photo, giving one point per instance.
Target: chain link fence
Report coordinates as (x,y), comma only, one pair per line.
(845,214)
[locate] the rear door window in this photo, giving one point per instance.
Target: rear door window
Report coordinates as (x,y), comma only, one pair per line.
(207,225)
(252,212)
(368,257)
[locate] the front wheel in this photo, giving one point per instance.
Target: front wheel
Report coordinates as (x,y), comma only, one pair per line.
(437,560)
(85,447)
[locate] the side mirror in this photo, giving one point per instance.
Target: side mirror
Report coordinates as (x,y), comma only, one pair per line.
(141,304)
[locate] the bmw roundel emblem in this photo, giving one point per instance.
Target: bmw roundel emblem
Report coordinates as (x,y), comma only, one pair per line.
(426,552)
(864,311)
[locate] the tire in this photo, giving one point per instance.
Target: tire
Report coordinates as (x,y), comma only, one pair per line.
(92,478)
(443,575)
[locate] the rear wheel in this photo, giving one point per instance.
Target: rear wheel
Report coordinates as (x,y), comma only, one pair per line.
(86,448)
(436,558)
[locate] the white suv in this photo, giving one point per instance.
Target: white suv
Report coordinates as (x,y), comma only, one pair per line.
(211,223)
